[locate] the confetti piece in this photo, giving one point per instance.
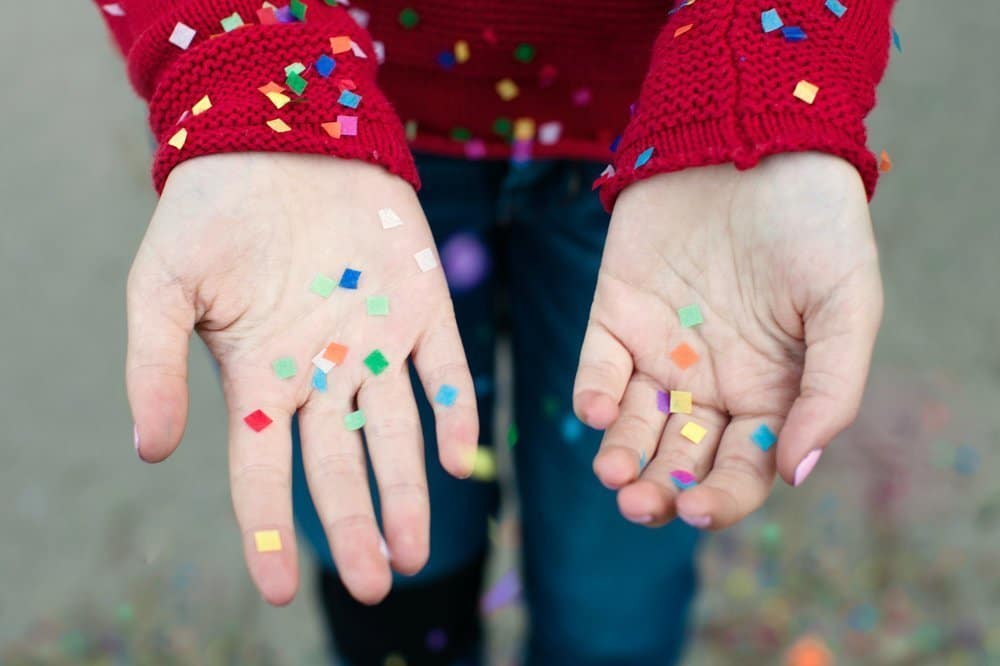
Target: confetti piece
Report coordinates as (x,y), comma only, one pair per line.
(182,36)
(232,22)
(349,280)
(437,640)
(547,75)
(271,87)
(571,428)
(644,157)
(360,16)
(355,420)
(322,285)
(409,18)
(267,541)
(358,51)
(279,99)
(333,129)
(348,125)
(284,367)
(770,21)
(319,380)
(505,592)
(296,83)
(550,133)
(524,53)
(680,402)
(341,44)
(484,465)
(426,259)
(683,479)
(642,461)
(179,139)
(294,68)
(524,129)
(512,435)
(113,9)
(793,33)
(376,362)
(693,432)
(203,105)
(462,53)
(684,356)
(298,9)
(690,316)
(325,65)
(279,126)
(257,420)
(335,353)
(323,364)
(475,149)
(446,395)
(582,97)
(503,127)
(884,162)
(896,41)
(266,16)
(763,437)
(389,218)
(683,29)
(806,91)
(378,306)
(379,51)
(507,89)
(663,401)
(809,651)
(460,134)
(836,8)
(349,99)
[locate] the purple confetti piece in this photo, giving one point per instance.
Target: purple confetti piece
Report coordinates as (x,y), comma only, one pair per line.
(466,262)
(506,591)
(663,401)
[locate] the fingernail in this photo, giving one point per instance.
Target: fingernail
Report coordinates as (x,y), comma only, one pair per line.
(806,466)
(135,440)
(701,522)
(641,520)
(383,548)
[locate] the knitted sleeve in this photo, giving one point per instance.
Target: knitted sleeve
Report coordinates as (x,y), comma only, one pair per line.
(233,75)
(738,80)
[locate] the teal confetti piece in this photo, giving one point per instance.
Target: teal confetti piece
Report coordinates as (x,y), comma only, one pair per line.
(836,8)
(284,367)
(642,461)
(355,420)
(323,285)
(764,437)
(770,21)
(896,40)
(319,380)
(572,428)
(446,395)
(643,157)
(232,22)
(376,362)
(378,306)
(690,316)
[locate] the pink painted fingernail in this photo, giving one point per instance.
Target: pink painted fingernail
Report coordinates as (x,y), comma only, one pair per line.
(641,520)
(701,522)
(806,466)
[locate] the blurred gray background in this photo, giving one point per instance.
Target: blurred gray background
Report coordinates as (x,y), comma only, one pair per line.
(88,532)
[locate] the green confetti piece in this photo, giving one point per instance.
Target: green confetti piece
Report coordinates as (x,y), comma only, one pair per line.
(284,367)
(512,435)
(378,306)
(409,18)
(376,362)
(232,22)
(460,134)
(323,286)
(297,8)
(524,53)
(296,83)
(550,405)
(296,67)
(690,315)
(331,3)
(355,420)
(503,126)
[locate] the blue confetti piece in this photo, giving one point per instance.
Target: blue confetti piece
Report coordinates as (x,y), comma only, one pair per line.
(349,99)
(764,437)
(571,428)
(319,380)
(614,144)
(793,33)
(896,41)
(642,461)
(643,157)
(446,59)
(325,65)
(770,21)
(446,395)
(836,8)
(349,280)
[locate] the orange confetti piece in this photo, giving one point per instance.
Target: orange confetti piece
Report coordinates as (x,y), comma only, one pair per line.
(806,91)
(203,105)
(333,129)
(885,162)
(684,356)
(279,126)
(683,29)
(178,140)
(271,88)
(524,129)
(335,353)
(341,44)
(809,651)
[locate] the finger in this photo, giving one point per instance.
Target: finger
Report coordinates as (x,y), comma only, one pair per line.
(604,371)
(631,440)
(334,462)
(395,445)
(160,321)
(651,500)
(740,480)
(260,476)
(440,361)
(838,356)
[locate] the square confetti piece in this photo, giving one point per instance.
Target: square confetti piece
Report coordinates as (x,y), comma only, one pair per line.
(376,362)
(203,105)
(267,541)
(266,16)
(389,218)
(683,479)
(182,36)
(663,401)
(179,139)
(322,363)
(298,9)
(348,125)
(836,8)
(764,437)
(333,129)
(349,99)
(426,259)
(232,22)
(806,91)
(770,21)
(378,306)
(644,157)
(271,87)
(322,285)
(284,367)
(325,65)
(680,402)
(296,83)
(319,380)
(684,356)
(693,432)
(341,44)
(484,464)
(690,316)
(446,395)
(793,33)
(279,126)
(335,353)
(355,420)
(295,68)
(349,280)
(257,420)
(278,99)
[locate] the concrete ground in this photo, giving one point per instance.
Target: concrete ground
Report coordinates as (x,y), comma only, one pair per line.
(83,522)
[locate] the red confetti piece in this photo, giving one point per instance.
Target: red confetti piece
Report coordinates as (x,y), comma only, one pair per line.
(257,420)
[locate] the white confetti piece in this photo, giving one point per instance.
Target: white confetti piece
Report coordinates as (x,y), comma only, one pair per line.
(357,50)
(182,36)
(379,52)
(549,133)
(390,220)
(608,172)
(360,16)
(113,9)
(426,259)
(325,365)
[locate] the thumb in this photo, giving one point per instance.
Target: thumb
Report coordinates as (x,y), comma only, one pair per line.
(160,321)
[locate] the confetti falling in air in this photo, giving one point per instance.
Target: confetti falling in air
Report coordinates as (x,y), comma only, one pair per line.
(693,432)
(322,285)
(512,436)
(376,362)
(257,420)
(426,260)
(446,395)
(349,280)
(437,640)
(550,133)
(466,261)
(355,420)
(571,428)
(642,461)
(378,306)
(319,380)
(182,36)
(409,18)
(680,402)
(484,464)
(836,8)
(462,52)
(690,316)
(684,356)
(644,157)
(683,479)
(884,162)
(763,437)
(770,20)
(524,53)
(503,593)
(389,218)
(179,139)
(284,367)
(267,541)
(663,401)
(896,41)
(507,89)
(806,91)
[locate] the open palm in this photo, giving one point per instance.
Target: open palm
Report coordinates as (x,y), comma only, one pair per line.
(781,262)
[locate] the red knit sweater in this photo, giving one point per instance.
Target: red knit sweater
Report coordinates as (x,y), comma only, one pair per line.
(685,83)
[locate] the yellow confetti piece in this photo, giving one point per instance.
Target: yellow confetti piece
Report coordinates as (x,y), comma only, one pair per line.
(806,91)
(484,464)
(680,402)
(279,125)
(693,432)
(203,105)
(462,53)
(524,129)
(178,140)
(267,541)
(278,99)
(507,89)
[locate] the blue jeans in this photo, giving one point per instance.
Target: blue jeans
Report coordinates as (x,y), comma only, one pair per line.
(599,590)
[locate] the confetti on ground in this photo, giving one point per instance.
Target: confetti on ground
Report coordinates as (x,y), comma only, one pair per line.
(806,91)
(426,259)
(349,99)
(683,29)
(349,280)
(643,157)
(376,362)
(389,218)
(409,18)
(793,33)
(279,126)
(203,105)
(884,162)
(335,353)
(680,402)
(355,420)
(179,139)
(693,432)
(684,356)
(763,437)
(322,285)
(284,367)
(267,541)
(341,44)
(484,464)
(257,420)
(266,16)
(770,21)
(232,22)
(690,316)
(182,36)
(378,306)
(836,8)
(683,479)
(446,395)
(278,99)
(319,380)
(294,68)
(663,401)
(507,89)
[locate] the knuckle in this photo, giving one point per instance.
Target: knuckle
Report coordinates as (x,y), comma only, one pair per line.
(350,522)
(742,467)
(338,465)
(262,474)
